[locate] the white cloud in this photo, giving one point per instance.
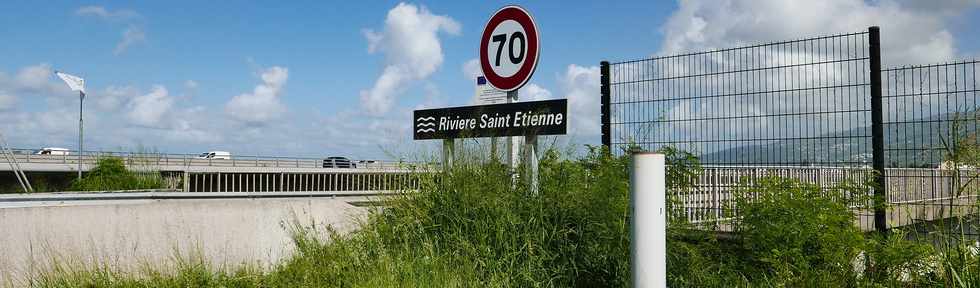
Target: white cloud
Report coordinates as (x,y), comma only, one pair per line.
(106,14)
(368,135)
(580,85)
(190,84)
(412,51)
(33,80)
(263,104)
(112,97)
(7,100)
(196,125)
(945,6)
(150,109)
(59,120)
(124,116)
(909,35)
(433,97)
(533,92)
(34,77)
(471,69)
(132,35)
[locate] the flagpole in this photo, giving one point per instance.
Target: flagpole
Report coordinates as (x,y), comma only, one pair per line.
(81,98)
(76,84)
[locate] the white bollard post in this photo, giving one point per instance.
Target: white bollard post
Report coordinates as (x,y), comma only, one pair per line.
(648,242)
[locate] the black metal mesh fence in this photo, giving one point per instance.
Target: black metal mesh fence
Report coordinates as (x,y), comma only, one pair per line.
(807,109)
(928,109)
(930,123)
(801,102)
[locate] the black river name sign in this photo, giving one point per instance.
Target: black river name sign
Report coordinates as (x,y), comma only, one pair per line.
(548,117)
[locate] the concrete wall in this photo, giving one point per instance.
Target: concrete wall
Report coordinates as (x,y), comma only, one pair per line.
(127,233)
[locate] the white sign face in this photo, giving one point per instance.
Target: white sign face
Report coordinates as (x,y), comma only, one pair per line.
(509,48)
(486,94)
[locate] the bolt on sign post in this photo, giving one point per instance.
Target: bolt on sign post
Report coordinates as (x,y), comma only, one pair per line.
(648,233)
(509,52)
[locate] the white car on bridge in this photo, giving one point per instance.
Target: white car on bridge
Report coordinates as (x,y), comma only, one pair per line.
(52,151)
(224,155)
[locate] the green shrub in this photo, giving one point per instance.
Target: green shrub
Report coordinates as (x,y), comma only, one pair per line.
(897,261)
(110,173)
(796,231)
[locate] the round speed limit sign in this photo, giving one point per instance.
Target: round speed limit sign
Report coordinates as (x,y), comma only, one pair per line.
(509,48)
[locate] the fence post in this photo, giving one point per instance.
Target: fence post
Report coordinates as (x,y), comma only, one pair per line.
(604,90)
(877,129)
(648,239)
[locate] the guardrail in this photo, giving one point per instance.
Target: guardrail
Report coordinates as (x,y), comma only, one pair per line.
(187,160)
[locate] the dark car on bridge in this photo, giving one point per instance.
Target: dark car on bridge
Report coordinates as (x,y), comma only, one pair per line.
(338,162)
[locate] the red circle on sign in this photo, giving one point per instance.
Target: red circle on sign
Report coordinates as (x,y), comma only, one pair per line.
(523,74)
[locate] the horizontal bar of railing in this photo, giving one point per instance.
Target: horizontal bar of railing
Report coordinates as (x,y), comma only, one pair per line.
(164,159)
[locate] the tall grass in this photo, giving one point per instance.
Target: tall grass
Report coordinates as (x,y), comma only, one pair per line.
(111,173)
(473,227)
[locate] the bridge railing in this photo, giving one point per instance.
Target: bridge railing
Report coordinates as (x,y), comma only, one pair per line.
(187,160)
(914,194)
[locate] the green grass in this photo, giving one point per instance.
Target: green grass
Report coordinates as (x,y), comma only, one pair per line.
(110,173)
(472,227)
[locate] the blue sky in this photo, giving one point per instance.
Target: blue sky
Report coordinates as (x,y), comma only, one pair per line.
(166,74)
(218,45)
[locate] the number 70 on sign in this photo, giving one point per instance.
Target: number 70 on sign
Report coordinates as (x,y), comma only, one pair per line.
(509,48)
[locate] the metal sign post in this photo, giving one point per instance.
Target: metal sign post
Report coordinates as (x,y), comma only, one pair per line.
(448,153)
(513,143)
(531,162)
(485,94)
(509,53)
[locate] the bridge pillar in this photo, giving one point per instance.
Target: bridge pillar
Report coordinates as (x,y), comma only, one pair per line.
(187,181)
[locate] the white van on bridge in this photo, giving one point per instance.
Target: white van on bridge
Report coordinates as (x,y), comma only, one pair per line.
(223,155)
(52,151)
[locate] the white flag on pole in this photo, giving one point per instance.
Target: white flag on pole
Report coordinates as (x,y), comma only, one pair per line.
(74,82)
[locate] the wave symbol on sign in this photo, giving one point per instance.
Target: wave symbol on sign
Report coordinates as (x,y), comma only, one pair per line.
(426,122)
